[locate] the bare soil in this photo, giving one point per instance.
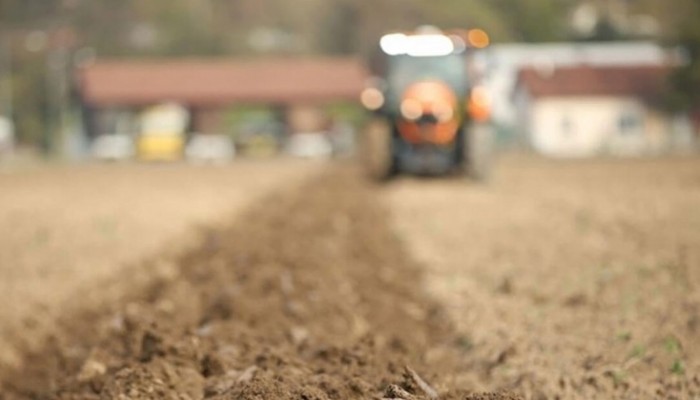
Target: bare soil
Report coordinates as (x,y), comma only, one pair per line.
(308,295)
(558,280)
(566,279)
(70,233)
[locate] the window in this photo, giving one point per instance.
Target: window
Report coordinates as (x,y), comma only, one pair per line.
(567,126)
(630,123)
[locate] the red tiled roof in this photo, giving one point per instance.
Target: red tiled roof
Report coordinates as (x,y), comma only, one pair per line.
(645,82)
(220,82)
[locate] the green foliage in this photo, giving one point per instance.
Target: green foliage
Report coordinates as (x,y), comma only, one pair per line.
(352,113)
(638,351)
(465,343)
(535,20)
(338,33)
(606,31)
(29,88)
(678,367)
(686,80)
(624,336)
(672,345)
(465,14)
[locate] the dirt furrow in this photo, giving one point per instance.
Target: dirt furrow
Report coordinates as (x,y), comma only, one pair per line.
(308,296)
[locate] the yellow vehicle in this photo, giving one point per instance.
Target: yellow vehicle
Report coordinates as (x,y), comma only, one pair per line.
(163,133)
(159,147)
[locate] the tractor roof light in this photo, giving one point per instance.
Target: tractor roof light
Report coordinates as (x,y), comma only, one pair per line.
(394,44)
(478,38)
(422,45)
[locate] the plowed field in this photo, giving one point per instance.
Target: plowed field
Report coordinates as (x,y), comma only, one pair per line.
(571,280)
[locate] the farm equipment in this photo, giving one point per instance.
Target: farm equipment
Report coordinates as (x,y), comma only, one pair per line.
(429,116)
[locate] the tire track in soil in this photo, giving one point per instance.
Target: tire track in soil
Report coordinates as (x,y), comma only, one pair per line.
(308,296)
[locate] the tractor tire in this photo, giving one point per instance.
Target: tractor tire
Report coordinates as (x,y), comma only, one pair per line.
(377,150)
(477,148)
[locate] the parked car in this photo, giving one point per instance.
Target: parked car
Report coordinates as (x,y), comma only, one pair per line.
(114,147)
(259,138)
(310,145)
(215,148)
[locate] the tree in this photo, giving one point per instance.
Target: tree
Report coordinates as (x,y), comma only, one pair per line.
(535,20)
(685,80)
(339,29)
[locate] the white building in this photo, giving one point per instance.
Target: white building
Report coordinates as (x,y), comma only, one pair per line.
(501,63)
(584,111)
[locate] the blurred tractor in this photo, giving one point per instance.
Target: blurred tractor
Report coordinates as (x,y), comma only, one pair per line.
(429,115)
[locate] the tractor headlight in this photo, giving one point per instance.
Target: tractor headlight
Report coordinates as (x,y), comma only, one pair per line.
(411,109)
(479,105)
(443,112)
(372,98)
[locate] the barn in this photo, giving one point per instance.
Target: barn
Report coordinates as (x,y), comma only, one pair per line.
(114,94)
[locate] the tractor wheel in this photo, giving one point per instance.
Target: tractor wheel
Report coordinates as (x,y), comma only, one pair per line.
(377,151)
(477,148)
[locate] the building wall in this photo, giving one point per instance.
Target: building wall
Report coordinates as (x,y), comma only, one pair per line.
(303,118)
(120,120)
(207,121)
(501,63)
(587,126)
(522,102)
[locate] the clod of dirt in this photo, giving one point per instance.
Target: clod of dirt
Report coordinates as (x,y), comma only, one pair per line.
(221,385)
(151,346)
(212,366)
(247,375)
(298,335)
(91,369)
(576,300)
(156,380)
(423,385)
(395,392)
(494,396)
